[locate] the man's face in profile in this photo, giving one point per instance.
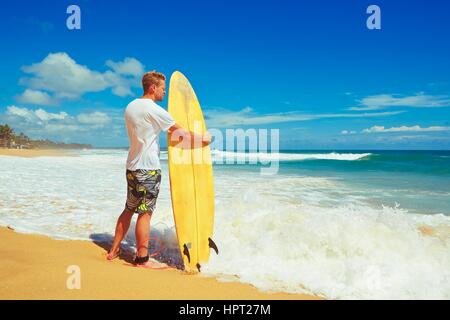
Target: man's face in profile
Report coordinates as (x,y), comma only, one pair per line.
(160,91)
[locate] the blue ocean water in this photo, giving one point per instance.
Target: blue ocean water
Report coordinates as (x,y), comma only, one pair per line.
(344,224)
(416,180)
(339,224)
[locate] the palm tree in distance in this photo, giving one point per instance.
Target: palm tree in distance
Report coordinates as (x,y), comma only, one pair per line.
(6,133)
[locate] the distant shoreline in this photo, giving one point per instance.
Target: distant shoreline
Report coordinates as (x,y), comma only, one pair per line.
(32,153)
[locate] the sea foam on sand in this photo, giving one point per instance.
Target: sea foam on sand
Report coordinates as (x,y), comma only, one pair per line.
(280,233)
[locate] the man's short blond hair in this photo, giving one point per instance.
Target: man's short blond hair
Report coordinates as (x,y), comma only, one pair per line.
(152,77)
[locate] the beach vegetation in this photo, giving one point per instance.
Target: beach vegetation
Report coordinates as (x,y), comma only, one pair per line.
(9,139)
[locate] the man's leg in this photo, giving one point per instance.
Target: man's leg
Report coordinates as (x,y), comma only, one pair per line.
(123,223)
(143,233)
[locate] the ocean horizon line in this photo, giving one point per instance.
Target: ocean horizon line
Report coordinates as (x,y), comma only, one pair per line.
(290,150)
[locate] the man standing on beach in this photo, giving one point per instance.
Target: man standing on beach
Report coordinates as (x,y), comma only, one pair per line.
(144,121)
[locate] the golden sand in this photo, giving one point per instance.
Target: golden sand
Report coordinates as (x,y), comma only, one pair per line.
(30,153)
(36,267)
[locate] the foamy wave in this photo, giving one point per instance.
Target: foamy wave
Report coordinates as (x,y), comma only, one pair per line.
(264,157)
(347,251)
(289,233)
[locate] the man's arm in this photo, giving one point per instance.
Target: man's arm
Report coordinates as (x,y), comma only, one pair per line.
(187,138)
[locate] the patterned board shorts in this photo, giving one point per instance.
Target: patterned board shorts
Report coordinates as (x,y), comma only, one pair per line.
(143,190)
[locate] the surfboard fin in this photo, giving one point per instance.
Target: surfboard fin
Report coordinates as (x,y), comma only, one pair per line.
(213,245)
(198,267)
(186,252)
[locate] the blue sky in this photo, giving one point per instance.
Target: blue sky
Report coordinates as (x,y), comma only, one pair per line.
(309,68)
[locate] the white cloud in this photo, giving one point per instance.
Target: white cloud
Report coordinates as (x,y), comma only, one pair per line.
(20,112)
(95,118)
(37,116)
(101,126)
(64,78)
(62,128)
(36,97)
(346,132)
(41,122)
(383,101)
(129,66)
(222,118)
(46,116)
(416,128)
(419,138)
(120,86)
(60,74)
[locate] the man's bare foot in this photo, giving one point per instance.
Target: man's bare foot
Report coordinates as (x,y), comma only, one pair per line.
(153,264)
(113,254)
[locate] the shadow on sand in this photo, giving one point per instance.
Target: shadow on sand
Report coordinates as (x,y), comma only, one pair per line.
(162,246)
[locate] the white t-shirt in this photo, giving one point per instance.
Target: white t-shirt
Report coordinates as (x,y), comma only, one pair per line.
(145,120)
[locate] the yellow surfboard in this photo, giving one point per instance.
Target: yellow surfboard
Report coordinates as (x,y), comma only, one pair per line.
(191,178)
